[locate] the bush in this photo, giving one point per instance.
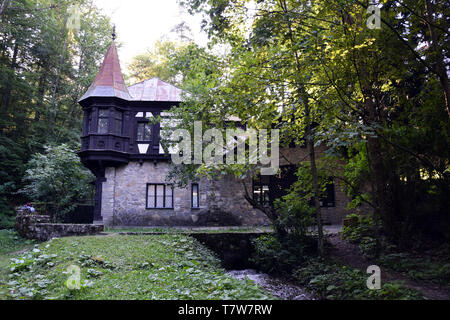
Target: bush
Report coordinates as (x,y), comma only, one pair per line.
(332,281)
(58,177)
(273,256)
(364,228)
(7,216)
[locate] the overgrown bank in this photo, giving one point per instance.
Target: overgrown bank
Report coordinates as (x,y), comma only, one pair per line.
(155,267)
(325,278)
(429,262)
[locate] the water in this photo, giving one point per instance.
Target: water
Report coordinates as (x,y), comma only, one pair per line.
(279,288)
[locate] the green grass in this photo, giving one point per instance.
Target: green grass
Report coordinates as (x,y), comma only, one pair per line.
(10,242)
(125,267)
(172,230)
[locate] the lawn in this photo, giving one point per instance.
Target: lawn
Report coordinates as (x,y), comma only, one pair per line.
(166,267)
(187,230)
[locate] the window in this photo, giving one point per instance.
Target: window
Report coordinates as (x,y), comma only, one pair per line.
(89,124)
(329,200)
(159,196)
(144,132)
(261,190)
(118,120)
(195,196)
(261,194)
(103,121)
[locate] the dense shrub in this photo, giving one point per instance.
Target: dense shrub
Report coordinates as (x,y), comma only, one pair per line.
(6,215)
(281,257)
(432,266)
(332,281)
(58,177)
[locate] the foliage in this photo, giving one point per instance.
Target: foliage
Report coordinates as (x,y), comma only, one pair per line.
(58,177)
(331,281)
(431,266)
(276,256)
(156,63)
(377,98)
(296,210)
(45,67)
(364,227)
(10,242)
(126,267)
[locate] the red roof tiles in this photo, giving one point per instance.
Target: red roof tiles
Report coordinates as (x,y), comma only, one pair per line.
(109,81)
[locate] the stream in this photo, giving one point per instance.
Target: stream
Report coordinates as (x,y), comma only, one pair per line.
(277,287)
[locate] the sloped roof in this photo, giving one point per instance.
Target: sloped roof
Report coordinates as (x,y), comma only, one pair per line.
(109,81)
(155,90)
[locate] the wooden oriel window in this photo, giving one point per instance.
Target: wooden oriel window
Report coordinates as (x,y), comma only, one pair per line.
(89,122)
(159,196)
(103,121)
(118,122)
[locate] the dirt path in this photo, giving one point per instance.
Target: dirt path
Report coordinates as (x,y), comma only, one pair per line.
(350,254)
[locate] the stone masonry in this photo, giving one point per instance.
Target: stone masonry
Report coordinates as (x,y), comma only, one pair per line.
(38,227)
(222,203)
(124,200)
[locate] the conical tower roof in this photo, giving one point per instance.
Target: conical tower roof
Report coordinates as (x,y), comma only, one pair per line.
(109,81)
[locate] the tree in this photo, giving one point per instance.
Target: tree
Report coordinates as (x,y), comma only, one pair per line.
(341,83)
(58,177)
(155,63)
(45,66)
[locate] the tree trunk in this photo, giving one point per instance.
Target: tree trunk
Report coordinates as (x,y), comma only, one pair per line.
(41,91)
(315,182)
(382,197)
(309,135)
(7,95)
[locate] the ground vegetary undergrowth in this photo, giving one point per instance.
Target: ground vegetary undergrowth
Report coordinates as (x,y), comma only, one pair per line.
(124,267)
(431,265)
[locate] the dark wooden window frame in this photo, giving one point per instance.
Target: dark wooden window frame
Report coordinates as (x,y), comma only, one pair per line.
(156,193)
(260,184)
(145,123)
(99,118)
(198,196)
(89,122)
(118,116)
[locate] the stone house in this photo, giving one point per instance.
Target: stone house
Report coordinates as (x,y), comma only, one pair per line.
(123,149)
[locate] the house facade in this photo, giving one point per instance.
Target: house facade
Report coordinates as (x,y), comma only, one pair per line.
(122,147)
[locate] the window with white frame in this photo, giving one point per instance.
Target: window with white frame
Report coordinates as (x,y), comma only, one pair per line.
(159,196)
(195,196)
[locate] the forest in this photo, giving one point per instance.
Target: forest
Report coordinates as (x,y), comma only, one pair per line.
(368,82)
(45,66)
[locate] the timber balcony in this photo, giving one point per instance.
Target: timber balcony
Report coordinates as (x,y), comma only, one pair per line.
(105,149)
(101,142)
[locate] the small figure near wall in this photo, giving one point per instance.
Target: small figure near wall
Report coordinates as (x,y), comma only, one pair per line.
(30,208)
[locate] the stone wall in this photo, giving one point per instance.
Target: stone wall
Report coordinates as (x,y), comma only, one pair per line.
(38,227)
(222,203)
